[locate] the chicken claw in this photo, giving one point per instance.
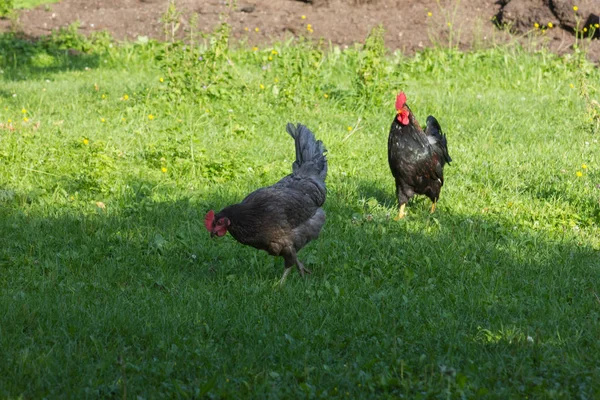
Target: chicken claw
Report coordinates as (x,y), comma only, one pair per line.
(302,269)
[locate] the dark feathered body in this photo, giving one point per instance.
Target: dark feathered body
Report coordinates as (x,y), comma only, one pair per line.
(284,217)
(286,214)
(417,158)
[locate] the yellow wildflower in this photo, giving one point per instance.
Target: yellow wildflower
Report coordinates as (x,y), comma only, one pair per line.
(349,128)
(536,25)
(86,142)
(270,58)
(450,24)
(103,96)
(102,120)
(583,166)
(309,28)
(164,169)
(429,14)
(276,80)
(256,29)
(24,111)
(10,121)
(596,25)
(262,86)
(150,117)
(274,52)
(161,79)
(254,48)
(25,119)
(125,97)
(303,17)
(550,25)
(585,29)
(326,95)
(246,29)
(575,8)
(579,174)
(123,119)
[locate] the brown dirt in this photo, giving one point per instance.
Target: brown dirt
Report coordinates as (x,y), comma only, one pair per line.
(522,15)
(343,22)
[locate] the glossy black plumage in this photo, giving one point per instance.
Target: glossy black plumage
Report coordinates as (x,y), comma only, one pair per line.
(417,159)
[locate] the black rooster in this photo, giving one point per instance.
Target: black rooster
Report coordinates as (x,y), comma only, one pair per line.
(284,217)
(416,158)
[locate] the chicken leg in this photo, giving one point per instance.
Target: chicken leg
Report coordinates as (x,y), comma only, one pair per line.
(285,274)
(290,261)
(432,208)
(401,213)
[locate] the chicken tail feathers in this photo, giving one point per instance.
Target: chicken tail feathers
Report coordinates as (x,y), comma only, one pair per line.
(310,152)
(436,137)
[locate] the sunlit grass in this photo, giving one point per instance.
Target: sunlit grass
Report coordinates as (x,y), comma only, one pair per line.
(110,284)
(32,3)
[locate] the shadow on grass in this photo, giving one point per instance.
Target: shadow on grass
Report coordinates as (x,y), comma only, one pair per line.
(383,192)
(137,231)
(140,274)
(24,57)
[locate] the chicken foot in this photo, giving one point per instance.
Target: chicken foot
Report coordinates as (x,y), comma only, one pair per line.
(302,269)
(401,213)
(432,208)
(289,265)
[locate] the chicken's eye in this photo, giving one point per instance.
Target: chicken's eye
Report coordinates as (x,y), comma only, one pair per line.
(223,222)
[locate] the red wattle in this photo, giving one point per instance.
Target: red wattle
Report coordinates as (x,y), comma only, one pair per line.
(209,219)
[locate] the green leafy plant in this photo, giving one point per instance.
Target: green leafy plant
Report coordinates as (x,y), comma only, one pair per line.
(6,6)
(374,71)
(171,21)
(297,69)
(191,69)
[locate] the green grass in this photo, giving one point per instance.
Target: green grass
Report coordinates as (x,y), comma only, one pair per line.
(32,3)
(493,296)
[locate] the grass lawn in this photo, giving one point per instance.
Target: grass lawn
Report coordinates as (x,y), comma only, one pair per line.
(111,287)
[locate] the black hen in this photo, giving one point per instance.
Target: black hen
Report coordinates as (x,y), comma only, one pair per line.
(284,217)
(416,158)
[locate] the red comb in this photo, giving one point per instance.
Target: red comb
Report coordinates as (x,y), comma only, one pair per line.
(209,219)
(400,100)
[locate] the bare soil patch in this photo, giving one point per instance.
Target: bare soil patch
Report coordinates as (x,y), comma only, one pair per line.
(410,24)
